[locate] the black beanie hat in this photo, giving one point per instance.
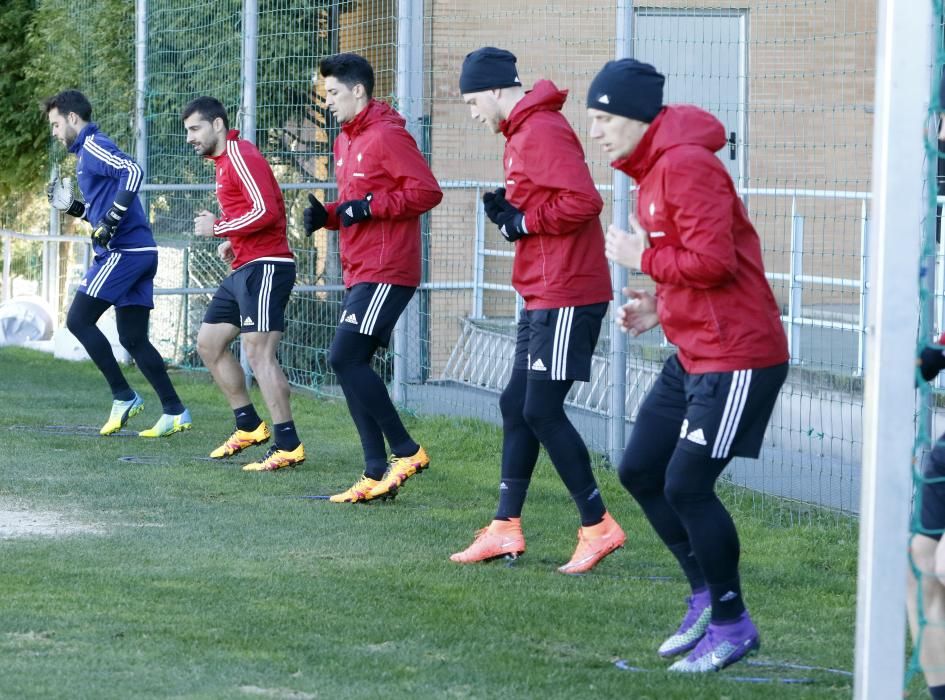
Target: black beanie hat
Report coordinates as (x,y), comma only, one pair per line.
(488,68)
(627,88)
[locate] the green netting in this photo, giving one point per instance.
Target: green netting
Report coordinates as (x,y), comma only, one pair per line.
(928,596)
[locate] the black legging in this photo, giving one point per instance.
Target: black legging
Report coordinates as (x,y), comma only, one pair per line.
(369,403)
(676,490)
(532,415)
(132,323)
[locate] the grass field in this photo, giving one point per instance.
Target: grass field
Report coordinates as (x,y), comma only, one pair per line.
(186,578)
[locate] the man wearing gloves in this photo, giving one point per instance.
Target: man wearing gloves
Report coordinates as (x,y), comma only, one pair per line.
(714,397)
(122,273)
(384,187)
(549,211)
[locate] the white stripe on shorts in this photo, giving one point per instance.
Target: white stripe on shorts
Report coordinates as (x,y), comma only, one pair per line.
(562,341)
(262,304)
(732,415)
(374,309)
(102,275)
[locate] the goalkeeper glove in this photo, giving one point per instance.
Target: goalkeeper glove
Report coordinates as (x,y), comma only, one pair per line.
(108,227)
(355,210)
(61,195)
(511,221)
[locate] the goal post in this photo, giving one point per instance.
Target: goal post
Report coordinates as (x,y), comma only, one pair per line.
(903,77)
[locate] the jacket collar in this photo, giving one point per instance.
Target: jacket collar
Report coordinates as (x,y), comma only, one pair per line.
(88,131)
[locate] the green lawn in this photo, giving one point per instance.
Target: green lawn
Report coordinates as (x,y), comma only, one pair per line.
(199,581)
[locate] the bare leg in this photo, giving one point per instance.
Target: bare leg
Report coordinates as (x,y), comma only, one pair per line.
(929,557)
(261,348)
(213,345)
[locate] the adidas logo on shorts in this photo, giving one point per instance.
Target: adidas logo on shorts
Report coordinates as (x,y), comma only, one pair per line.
(539,366)
(351,318)
(248,321)
(697,436)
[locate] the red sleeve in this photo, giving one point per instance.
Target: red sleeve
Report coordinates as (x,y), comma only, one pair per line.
(558,165)
(415,190)
(254,179)
(332,223)
(698,195)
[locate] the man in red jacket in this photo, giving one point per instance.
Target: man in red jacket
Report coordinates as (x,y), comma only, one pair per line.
(251,301)
(714,397)
(384,186)
(549,211)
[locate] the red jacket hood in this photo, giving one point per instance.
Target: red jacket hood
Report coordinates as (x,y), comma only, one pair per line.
(543,97)
(374,113)
(676,125)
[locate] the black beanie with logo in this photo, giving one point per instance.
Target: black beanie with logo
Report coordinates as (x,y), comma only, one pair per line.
(628,88)
(488,68)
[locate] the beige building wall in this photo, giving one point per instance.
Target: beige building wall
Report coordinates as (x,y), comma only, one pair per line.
(809,91)
(808,88)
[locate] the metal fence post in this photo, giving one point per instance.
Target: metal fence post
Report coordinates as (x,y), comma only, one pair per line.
(796,296)
(141,88)
(864,291)
(248,109)
(617,408)
(50,267)
(409,93)
(479,257)
(7,288)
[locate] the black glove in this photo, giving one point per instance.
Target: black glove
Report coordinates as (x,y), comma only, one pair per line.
(511,221)
(106,229)
(355,210)
(931,361)
(103,233)
(314,217)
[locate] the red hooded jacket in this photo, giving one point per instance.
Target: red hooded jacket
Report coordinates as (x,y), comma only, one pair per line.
(253,212)
(714,302)
(376,155)
(560,262)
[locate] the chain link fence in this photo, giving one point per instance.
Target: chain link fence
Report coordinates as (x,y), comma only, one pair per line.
(793,87)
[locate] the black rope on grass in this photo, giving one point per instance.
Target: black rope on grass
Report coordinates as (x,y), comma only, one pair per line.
(623,665)
(798,667)
(140,459)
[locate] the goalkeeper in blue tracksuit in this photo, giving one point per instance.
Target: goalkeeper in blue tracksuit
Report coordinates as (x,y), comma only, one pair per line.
(122,273)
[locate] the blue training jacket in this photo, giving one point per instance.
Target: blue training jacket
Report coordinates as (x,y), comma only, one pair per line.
(103,171)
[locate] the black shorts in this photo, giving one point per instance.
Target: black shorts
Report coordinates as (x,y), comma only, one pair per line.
(254,297)
(932,492)
(558,344)
(719,414)
(372,308)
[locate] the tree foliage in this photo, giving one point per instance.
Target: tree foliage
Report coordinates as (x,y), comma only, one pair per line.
(22,135)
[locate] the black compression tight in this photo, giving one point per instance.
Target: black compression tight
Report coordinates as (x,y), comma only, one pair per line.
(369,403)
(533,415)
(132,323)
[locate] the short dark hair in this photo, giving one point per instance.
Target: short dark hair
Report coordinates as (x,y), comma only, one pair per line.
(69,101)
(350,69)
(209,108)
